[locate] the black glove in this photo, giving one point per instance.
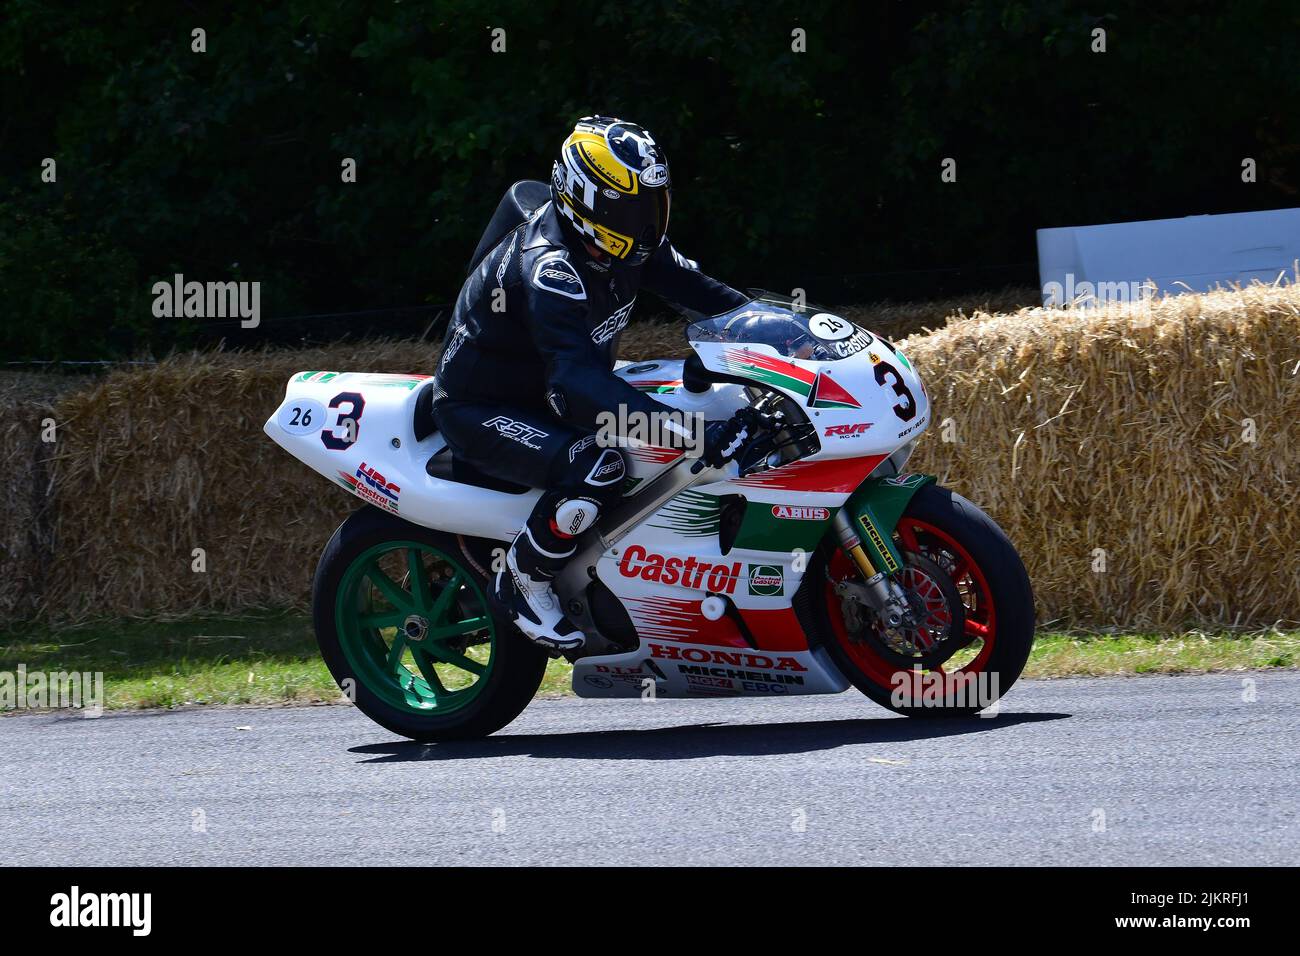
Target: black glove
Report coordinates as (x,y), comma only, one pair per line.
(722,440)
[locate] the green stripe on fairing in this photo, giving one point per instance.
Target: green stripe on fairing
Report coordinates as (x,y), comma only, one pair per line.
(408,384)
(760,530)
(770,377)
(691,514)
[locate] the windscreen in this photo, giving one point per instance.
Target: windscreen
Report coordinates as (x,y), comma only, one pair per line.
(795,331)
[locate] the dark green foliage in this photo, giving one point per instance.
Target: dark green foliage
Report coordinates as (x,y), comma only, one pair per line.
(790,168)
(67,292)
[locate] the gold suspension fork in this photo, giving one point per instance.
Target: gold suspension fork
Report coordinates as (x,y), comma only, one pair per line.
(852,545)
(875,589)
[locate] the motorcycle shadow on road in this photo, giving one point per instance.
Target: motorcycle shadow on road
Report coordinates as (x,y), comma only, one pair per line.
(698,741)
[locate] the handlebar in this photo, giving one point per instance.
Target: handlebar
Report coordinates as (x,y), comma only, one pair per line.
(758,423)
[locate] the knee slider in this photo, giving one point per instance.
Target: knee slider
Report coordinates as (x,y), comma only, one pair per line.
(575,515)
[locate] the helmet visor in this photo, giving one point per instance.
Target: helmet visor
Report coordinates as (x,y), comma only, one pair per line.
(656,207)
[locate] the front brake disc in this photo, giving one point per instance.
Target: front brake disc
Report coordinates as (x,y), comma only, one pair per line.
(938,627)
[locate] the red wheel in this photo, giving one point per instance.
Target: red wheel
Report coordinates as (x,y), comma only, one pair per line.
(972,605)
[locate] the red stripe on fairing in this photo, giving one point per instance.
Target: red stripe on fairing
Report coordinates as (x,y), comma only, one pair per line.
(653,453)
(674,619)
(838,475)
(646,383)
(769,362)
(829,390)
(775,630)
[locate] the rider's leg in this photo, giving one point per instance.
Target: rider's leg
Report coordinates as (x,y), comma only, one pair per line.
(530,447)
(583,479)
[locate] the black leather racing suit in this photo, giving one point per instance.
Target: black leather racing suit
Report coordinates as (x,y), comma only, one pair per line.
(528,357)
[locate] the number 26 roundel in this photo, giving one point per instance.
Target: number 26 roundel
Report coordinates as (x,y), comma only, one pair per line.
(347,427)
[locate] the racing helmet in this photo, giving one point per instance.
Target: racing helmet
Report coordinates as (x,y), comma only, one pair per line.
(611,187)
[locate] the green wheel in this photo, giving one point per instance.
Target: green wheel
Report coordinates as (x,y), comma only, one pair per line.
(403,622)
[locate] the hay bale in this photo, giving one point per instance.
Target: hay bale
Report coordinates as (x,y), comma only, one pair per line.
(896,320)
(154,463)
(660,339)
(1118,430)
(1119,439)
(25,548)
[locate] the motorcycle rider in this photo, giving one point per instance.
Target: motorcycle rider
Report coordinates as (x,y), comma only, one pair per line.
(527,363)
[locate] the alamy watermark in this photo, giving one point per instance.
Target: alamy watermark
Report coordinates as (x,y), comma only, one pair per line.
(919,688)
(208,300)
(666,429)
(23,689)
(133,911)
(1092,295)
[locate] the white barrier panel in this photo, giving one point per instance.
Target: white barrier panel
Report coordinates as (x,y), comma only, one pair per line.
(1196,251)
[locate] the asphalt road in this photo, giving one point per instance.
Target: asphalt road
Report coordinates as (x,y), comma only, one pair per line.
(1145,771)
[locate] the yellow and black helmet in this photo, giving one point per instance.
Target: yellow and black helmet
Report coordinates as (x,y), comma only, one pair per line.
(611,186)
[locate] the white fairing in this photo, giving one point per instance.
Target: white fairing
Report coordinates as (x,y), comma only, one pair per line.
(383,464)
(711,620)
(662,380)
(875,386)
(662,668)
(378,459)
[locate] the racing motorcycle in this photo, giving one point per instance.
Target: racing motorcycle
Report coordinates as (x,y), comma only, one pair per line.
(811,563)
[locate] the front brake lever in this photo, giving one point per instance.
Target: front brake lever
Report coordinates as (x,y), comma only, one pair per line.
(763,425)
(755,454)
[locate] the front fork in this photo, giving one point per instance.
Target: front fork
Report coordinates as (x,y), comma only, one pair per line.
(865,525)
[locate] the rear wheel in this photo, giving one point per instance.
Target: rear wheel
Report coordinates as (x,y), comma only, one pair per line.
(972,605)
(403,623)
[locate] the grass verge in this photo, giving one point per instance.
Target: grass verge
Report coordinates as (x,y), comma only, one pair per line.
(272,658)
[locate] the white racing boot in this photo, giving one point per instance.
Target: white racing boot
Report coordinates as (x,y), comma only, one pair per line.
(528,600)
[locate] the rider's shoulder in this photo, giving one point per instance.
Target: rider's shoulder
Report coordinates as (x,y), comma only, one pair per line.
(547,263)
(552,270)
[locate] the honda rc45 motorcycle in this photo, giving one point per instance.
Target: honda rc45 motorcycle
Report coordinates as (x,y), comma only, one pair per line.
(810,563)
